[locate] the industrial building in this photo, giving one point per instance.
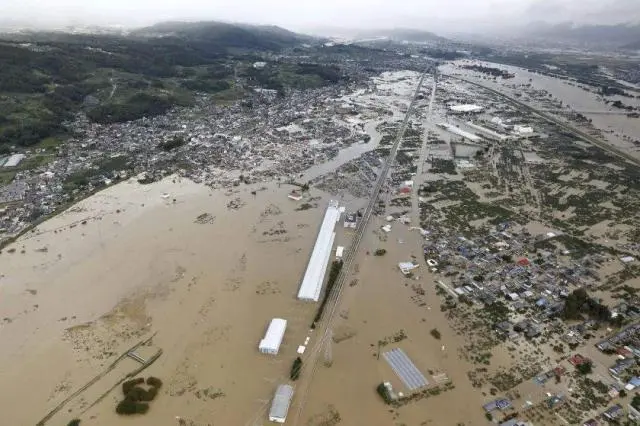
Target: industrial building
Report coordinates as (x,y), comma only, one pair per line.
(459,132)
(523,130)
(467,108)
(351,220)
(488,133)
(270,344)
(311,285)
(280,404)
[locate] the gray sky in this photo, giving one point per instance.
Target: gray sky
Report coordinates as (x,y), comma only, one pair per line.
(435,15)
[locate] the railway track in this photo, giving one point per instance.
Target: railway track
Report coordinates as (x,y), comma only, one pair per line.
(334,298)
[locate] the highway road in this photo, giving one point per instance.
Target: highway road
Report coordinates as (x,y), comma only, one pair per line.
(326,323)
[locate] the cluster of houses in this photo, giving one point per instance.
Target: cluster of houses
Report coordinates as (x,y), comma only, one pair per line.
(274,138)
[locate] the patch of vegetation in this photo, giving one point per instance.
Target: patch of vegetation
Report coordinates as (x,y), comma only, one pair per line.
(494,72)
(154,382)
(173,143)
(336,266)
(130,384)
(447,55)
(585,368)
(380,252)
(384,393)
(129,407)
(304,206)
(439,165)
(579,303)
(135,107)
(496,312)
(635,402)
(74,422)
(295,369)
(136,397)
(399,336)
(435,333)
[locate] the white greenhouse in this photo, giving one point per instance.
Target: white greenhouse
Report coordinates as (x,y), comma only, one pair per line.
(280,404)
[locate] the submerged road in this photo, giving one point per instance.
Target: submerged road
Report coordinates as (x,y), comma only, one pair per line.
(593,140)
(326,323)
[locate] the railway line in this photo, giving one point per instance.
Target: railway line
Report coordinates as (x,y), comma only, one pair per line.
(326,322)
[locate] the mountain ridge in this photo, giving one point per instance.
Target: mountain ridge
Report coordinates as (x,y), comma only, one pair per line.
(614,35)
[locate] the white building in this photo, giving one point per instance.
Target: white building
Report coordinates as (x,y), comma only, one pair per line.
(259,65)
(339,252)
(407,267)
(487,132)
(465,108)
(351,221)
(311,285)
(522,130)
(498,121)
(273,337)
(280,404)
(459,132)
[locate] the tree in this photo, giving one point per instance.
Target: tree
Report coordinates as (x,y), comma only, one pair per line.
(435,333)
(585,368)
(295,369)
(172,143)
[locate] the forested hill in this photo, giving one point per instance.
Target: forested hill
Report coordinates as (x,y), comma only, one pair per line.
(239,36)
(46,77)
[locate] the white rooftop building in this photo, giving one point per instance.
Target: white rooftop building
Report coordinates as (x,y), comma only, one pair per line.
(487,132)
(280,404)
(465,108)
(273,337)
(522,130)
(311,285)
(458,131)
(407,267)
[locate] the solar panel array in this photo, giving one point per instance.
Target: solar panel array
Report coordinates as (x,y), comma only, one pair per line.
(405,369)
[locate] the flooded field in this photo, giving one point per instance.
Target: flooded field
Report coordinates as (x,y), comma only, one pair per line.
(205,272)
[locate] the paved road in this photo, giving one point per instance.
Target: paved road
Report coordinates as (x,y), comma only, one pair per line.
(326,322)
(595,141)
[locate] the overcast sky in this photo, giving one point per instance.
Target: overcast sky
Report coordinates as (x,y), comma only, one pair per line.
(435,15)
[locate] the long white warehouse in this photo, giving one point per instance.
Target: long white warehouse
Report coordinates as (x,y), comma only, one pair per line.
(458,131)
(273,338)
(314,276)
